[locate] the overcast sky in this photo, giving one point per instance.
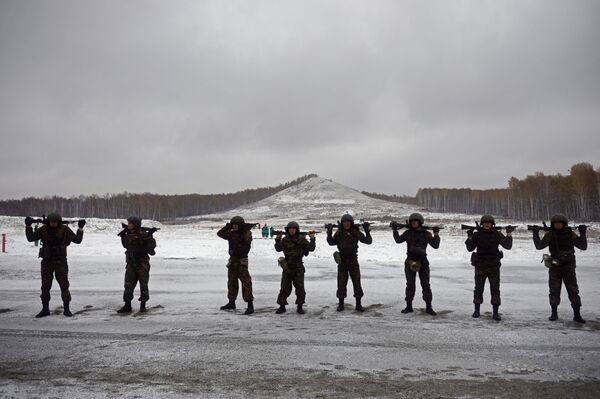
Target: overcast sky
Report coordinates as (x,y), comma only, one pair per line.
(216,96)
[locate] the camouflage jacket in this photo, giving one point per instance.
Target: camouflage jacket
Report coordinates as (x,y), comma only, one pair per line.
(561,243)
(347,241)
(240,241)
(55,240)
(416,243)
(295,248)
(138,244)
(487,242)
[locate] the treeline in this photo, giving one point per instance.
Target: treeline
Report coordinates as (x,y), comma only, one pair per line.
(146,205)
(404,199)
(537,196)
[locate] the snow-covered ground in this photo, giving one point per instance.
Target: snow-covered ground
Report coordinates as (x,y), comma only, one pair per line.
(184,346)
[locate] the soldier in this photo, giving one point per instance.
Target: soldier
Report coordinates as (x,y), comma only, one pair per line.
(417,238)
(239,236)
(294,246)
(139,244)
(487,260)
(562,240)
(55,237)
(347,238)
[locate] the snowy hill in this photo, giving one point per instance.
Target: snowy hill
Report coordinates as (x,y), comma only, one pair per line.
(319,199)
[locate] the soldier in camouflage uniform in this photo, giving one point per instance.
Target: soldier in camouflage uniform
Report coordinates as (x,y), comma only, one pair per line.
(487,260)
(139,244)
(347,238)
(562,240)
(55,238)
(239,236)
(294,246)
(417,239)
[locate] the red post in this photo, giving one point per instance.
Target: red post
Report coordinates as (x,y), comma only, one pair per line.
(3,243)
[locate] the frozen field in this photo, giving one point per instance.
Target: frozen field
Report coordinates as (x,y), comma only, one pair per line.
(184,346)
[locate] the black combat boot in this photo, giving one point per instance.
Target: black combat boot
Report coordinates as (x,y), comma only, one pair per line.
(340,307)
(359,307)
(554,314)
(230,306)
(429,309)
(67,310)
(299,310)
(495,314)
(408,308)
(142,306)
(281,309)
(250,308)
(476,313)
(577,315)
(45,310)
(126,308)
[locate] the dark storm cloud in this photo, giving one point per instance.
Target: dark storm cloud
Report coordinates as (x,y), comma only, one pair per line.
(217,96)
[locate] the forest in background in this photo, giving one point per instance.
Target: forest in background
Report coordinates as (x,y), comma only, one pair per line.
(145,205)
(536,197)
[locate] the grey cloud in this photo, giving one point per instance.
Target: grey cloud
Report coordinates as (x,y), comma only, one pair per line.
(216,96)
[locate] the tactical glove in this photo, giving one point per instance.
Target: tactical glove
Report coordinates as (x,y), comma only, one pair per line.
(81,223)
(28,221)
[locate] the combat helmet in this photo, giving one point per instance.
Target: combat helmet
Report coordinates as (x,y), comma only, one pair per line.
(559,218)
(488,219)
(135,221)
(347,218)
(292,225)
(54,217)
(237,220)
(416,216)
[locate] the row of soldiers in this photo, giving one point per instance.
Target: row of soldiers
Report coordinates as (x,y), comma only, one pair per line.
(484,242)
(56,236)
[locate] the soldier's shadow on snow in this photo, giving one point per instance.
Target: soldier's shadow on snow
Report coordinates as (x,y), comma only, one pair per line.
(86,309)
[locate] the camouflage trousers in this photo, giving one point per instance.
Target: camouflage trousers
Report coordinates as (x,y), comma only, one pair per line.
(411,286)
(564,273)
(349,267)
(491,272)
(293,275)
(138,270)
(60,270)
(237,271)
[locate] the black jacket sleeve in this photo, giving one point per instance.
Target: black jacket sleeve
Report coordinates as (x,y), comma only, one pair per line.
(541,243)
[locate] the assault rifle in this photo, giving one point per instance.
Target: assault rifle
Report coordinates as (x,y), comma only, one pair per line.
(545,227)
(479,227)
(300,233)
(535,227)
(43,220)
(397,226)
(149,230)
(338,225)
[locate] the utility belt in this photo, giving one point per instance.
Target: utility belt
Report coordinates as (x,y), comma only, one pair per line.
(52,252)
(413,264)
(477,258)
(237,259)
(286,264)
(133,256)
(561,258)
(340,258)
